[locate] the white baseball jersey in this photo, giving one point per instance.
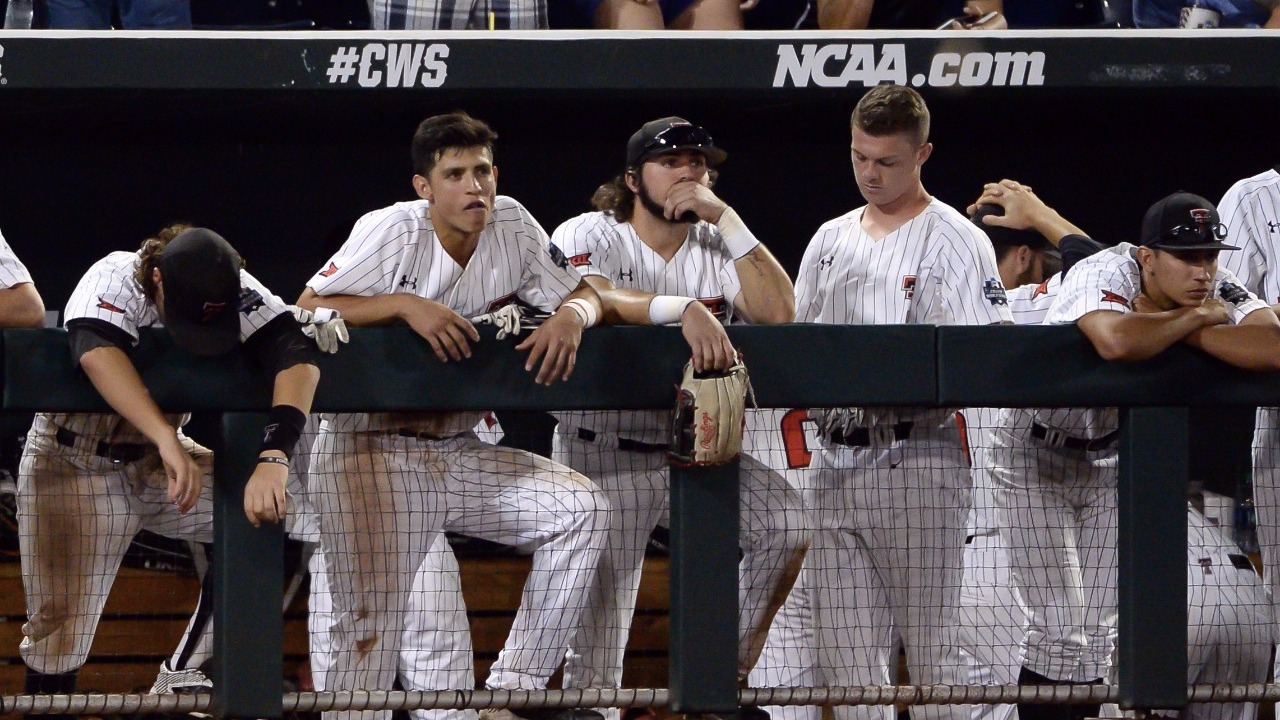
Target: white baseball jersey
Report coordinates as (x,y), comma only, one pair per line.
(938,269)
(1110,280)
(12,271)
(1251,212)
(109,292)
(596,243)
(396,250)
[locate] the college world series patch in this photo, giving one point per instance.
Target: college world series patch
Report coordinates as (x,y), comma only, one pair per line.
(993,291)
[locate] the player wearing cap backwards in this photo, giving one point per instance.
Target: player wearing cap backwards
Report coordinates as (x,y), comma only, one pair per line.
(676,254)
(88,482)
(1055,469)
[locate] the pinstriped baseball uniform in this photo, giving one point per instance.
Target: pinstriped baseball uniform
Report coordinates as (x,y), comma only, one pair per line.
(890,492)
(12,271)
(773,525)
(990,617)
(1057,505)
(1251,212)
(374,541)
(69,492)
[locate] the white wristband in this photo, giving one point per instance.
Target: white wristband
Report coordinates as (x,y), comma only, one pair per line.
(585,311)
(667,309)
(735,234)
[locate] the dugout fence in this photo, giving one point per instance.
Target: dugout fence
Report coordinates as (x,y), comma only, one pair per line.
(391,369)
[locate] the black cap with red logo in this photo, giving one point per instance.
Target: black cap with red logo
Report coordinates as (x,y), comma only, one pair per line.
(1184,222)
(200,275)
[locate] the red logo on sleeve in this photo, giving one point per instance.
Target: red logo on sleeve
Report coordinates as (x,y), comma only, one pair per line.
(329,270)
(1108,296)
(108,306)
(580,260)
(1041,289)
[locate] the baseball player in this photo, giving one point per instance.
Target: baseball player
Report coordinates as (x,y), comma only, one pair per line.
(890,492)
(677,254)
(386,484)
(1054,469)
(89,482)
(1251,212)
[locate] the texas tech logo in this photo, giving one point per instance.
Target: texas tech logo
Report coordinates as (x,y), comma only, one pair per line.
(909,286)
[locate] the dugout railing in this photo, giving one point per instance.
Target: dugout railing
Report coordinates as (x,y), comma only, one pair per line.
(791,366)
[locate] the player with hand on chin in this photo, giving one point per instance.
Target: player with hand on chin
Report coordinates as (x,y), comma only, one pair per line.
(385,484)
(90,481)
(1055,469)
(662,248)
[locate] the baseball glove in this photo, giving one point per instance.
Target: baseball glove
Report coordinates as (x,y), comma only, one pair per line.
(324,325)
(511,320)
(710,412)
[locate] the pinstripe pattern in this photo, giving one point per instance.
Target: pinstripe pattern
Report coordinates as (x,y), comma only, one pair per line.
(774,529)
(597,244)
(1110,280)
(108,292)
(12,271)
(395,250)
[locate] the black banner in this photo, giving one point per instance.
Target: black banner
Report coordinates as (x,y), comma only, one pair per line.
(788,62)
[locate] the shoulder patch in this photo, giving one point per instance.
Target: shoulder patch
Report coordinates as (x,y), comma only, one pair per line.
(993,291)
(333,268)
(580,259)
(1232,293)
(1041,289)
(1108,296)
(557,256)
(250,300)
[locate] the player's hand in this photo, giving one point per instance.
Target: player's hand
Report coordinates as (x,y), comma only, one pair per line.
(1214,312)
(264,495)
(706,337)
(185,476)
(689,196)
(556,343)
(1022,208)
(446,331)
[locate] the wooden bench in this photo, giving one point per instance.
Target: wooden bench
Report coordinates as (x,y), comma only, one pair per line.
(148,610)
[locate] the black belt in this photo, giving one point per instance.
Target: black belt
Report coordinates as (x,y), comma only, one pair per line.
(419,435)
(115,452)
(1057,438)
(861,437)
(625,443)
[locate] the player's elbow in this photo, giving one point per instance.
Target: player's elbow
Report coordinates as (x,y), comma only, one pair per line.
(22,307)
(782,311)
(1115,349)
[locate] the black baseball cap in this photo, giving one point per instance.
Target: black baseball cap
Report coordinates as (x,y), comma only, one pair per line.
(200,272)
(1183,221)
(668,135)
(1007,236)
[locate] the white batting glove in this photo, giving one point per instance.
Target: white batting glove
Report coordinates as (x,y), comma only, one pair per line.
(325,326)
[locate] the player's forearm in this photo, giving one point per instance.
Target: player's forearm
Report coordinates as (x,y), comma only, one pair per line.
(844,14)
(1054,227)
(1251,347)
(115,378)
(1139,336)
(21,307)
(296,387)
(767,295)
(358,311)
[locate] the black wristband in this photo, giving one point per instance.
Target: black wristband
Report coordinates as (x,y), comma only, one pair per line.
(273,460)
(283,429)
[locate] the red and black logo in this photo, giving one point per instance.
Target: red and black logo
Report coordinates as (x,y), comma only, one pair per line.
(329,270)
(580,259)
(716,305)
(108,306)
(1108,296)
(909,286)
(1041,289)
(210,311)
